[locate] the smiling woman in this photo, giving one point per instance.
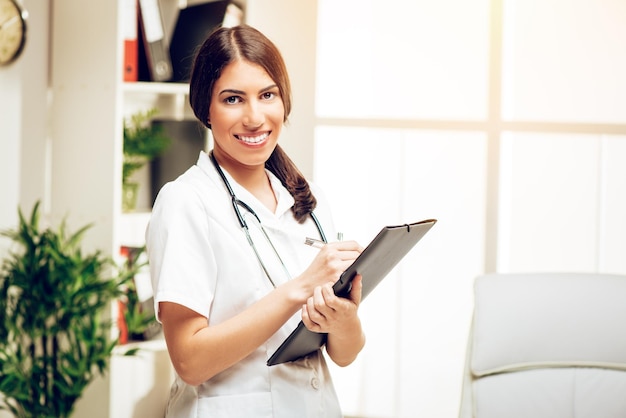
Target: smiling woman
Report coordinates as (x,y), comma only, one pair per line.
(231,275)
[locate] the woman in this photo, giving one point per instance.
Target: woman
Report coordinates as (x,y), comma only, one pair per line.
(231,274)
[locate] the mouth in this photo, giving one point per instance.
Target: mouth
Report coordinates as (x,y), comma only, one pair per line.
(253,140)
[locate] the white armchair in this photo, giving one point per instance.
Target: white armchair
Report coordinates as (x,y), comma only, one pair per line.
(547,345)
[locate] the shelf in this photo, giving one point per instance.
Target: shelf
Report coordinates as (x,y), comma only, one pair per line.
(156,88)
(169,98)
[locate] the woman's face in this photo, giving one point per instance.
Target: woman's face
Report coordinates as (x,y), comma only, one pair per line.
(246,115)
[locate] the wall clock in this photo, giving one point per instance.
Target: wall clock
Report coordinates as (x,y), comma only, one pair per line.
(12,31)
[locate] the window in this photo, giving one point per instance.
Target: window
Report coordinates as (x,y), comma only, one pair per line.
(505,120)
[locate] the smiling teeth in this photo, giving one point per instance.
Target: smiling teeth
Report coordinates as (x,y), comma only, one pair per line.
(253,139)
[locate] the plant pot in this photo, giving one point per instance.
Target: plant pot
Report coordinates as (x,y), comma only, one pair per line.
(129,196)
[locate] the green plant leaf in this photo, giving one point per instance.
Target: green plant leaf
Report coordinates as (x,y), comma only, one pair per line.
(54,338)
(143,140)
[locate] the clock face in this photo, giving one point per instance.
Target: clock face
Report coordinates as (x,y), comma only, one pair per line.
(12,31)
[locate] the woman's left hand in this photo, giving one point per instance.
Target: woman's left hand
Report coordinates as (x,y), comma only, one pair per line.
(328,313)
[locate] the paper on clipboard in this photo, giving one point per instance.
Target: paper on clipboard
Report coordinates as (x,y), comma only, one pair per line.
(385,251)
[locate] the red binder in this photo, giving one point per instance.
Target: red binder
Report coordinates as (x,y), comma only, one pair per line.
(131,55)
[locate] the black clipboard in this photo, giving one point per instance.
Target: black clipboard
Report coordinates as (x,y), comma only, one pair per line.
(385,251)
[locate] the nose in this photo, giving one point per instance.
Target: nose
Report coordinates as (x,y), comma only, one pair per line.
(253,116)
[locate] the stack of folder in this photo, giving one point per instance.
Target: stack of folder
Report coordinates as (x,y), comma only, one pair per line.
(153,53)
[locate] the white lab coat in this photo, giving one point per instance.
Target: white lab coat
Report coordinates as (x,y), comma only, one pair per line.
(201,259)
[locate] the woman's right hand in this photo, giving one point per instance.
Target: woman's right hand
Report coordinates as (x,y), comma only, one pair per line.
(332,260)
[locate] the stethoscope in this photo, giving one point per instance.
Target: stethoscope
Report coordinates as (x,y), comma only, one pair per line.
(244,224)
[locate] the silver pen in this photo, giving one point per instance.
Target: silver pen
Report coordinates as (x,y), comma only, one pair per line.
(314,242)
(319,244)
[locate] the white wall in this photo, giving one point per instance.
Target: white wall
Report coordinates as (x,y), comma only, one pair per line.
(10,115)
(24,120)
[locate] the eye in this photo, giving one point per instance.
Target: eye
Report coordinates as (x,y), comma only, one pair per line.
(268,95)
(232,100)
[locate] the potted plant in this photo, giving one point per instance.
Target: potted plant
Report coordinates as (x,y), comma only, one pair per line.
(143,140)
(55,337)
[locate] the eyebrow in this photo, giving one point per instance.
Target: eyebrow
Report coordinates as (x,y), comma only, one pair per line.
(243,93)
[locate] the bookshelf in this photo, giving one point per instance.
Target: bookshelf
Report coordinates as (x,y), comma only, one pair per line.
(89,101)
(157,89)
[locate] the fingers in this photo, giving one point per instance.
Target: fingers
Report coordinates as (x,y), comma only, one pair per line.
(328,265)
(324,311)
(309,322)
(348,250)
(339,255)
(317,305)
(356,293)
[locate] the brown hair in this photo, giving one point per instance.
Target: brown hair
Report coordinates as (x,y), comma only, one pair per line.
(225,45)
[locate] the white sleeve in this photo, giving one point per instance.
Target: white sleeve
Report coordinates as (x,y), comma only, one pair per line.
(181,258)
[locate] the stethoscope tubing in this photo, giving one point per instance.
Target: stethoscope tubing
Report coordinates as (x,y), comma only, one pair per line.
(244,225)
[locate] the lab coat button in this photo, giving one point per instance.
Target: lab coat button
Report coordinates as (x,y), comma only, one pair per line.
(315,383)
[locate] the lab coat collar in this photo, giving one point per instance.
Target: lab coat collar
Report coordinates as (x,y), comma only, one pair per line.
(285,200)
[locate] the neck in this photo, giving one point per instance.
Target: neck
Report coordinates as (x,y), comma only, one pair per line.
(253,179)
